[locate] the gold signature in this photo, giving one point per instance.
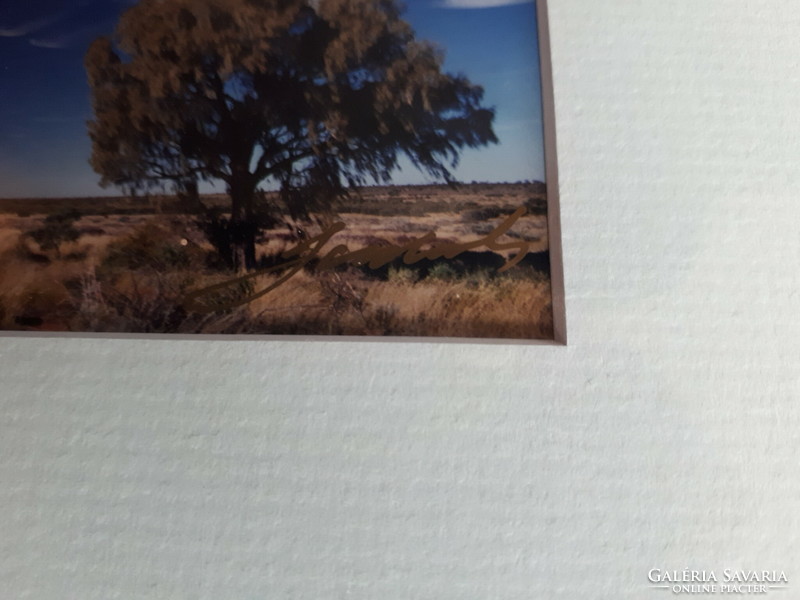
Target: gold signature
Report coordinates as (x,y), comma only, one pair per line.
(374,257)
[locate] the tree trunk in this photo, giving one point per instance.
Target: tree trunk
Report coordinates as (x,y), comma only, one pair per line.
(189,197)
(243,226)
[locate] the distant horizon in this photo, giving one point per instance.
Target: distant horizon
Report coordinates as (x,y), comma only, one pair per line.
(44,144)
(167,193)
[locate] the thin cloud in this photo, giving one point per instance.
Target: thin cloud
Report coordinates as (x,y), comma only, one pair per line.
(481,3)
(30,26)
(67,39)
(53,44)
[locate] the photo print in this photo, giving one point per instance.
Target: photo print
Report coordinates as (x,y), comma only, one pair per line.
(278,167)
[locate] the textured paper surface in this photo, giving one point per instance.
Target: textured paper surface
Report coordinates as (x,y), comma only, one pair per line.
(665,435)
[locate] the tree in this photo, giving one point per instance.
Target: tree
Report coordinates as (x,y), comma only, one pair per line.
(57,229)
(314,96)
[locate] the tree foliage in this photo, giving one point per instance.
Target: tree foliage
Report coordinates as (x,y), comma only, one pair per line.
(57,230)
(311,95)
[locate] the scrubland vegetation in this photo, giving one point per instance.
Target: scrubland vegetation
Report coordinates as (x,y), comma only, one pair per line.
(126,265)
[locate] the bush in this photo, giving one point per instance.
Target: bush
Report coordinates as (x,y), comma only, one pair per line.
(442,271)
(150,247)
(402,275)
(57,229)
(536,206)
(384,320)
(149,304)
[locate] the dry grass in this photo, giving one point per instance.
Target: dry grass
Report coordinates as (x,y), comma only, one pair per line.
(131,272)
(347,304)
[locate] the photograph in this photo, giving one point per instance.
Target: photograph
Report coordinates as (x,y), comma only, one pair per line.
(278,167)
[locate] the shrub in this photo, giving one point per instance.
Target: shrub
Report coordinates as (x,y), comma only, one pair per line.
(442,271)
(148,304)
(57,229)
(536,205)
(479,277)
(151,247)
(402,275)
(384,320)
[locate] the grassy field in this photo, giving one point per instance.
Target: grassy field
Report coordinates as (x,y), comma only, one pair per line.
(130,262)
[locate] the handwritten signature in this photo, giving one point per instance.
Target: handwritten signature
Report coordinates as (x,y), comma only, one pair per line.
(374,257)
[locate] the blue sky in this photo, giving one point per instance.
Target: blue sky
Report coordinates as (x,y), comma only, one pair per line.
(44,98)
